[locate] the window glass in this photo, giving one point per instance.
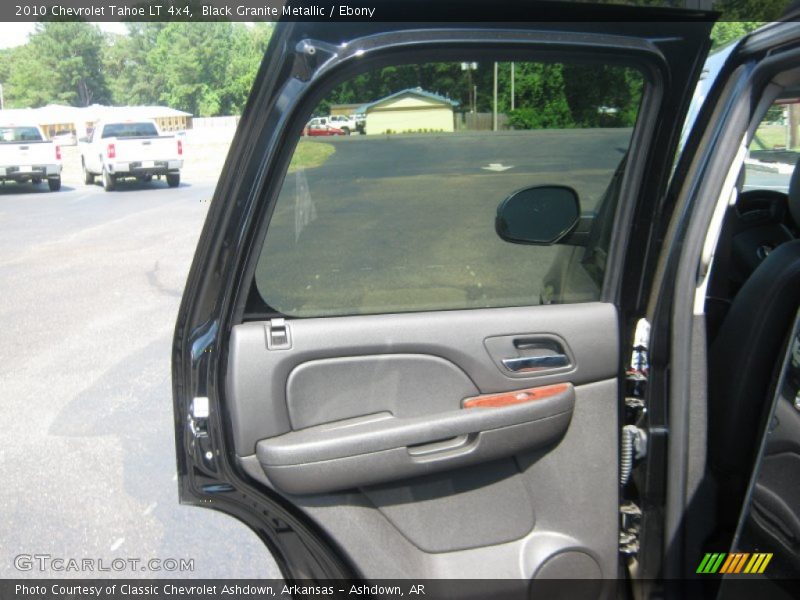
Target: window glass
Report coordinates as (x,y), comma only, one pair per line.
(392,208)
(121,130)
(775,148)
(19,134)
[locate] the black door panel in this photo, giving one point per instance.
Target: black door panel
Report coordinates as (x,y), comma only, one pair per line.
(378,399)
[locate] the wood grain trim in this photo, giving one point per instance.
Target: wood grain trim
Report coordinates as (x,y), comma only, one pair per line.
(515,397)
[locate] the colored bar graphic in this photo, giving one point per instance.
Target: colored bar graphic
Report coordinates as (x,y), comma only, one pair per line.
(726,567)
(733,563)
(740,562)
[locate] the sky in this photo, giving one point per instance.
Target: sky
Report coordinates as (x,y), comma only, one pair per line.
(16,34)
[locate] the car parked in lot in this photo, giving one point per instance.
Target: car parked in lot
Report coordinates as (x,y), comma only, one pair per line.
(65,137)
(131,149)
(346,123)
(514,371)
(321,126)
(27,156)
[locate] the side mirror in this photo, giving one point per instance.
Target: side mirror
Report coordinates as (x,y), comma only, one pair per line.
(540,215)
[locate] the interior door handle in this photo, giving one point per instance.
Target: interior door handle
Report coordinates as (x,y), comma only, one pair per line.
(535,363)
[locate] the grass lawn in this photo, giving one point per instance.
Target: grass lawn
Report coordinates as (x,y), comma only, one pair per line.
(310,154)
(769,137)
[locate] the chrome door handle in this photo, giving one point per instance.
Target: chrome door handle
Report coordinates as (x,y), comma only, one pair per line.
(535,363)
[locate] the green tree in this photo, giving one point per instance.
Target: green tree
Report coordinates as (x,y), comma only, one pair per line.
(132,78)
(61,63)
(248,48)
(726,32)
(540,97)
(190,62)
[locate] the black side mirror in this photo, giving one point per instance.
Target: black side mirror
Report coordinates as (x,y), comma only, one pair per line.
(540,215)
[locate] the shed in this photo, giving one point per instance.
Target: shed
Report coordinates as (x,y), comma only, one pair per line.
(407,111)
(55,118)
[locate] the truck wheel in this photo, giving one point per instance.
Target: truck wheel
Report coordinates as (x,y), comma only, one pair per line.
(346,130)
(36,180)
(173,179)
(108,181)
(54,184)
(88,178)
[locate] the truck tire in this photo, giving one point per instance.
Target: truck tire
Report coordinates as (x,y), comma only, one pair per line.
(88,178)
(54,183)
(36,180)
(108,181)
(173,179)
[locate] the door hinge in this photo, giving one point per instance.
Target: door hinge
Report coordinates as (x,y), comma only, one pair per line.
(279,335)
(637,373)
(630,528)
(639,368)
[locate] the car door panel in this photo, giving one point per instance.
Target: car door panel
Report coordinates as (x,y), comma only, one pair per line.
(374,404)
(258,378)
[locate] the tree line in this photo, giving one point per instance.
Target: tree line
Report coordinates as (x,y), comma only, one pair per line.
(206,69)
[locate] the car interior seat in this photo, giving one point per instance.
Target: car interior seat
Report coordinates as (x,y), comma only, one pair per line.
(745,354)
(760,221)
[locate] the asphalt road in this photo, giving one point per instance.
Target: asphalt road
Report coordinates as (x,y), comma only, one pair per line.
(91,285)
(765,180)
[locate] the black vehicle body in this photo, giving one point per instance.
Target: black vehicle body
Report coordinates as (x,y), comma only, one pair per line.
(305,515)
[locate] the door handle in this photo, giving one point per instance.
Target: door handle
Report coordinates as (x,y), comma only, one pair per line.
(522,364)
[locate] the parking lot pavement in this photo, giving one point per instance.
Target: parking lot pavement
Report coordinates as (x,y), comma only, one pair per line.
(91,285)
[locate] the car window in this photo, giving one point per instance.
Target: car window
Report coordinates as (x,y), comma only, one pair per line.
(774,149)
(19,134)
(402,217)
(122,130)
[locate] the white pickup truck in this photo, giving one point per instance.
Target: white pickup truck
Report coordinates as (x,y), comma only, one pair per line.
(26,155)
(131,149)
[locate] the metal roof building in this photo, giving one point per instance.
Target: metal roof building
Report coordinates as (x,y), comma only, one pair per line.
(56,118)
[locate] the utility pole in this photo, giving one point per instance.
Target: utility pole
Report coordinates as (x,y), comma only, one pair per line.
(512,86)
(2,101)
(494,100)
(469,67)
